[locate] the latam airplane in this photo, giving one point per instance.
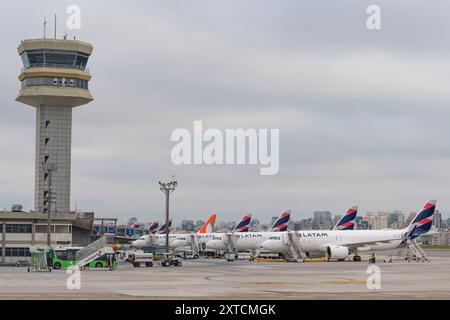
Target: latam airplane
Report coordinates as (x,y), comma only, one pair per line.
(205,234)
(175,239)
(279,225)
(253,240)
(336,244)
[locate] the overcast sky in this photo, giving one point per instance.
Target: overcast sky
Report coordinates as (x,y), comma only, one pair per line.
(363,115)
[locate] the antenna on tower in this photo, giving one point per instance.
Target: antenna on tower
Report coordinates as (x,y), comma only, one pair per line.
(45,25)
(55,26)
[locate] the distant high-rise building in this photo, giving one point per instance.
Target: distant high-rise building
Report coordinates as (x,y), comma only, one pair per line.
(378,220)
(187,225)
(230,225)
(362,224)
(255,225)
(396,220)
(437,220)
(336,219)
(322,220)
(273,220)
(198,224)
(306,224)
(295,225)
(410,218)
(447,223)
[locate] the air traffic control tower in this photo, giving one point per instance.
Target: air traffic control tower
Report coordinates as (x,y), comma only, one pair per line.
(54,80)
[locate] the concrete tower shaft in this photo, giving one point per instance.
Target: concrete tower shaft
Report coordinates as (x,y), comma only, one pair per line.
(54,79)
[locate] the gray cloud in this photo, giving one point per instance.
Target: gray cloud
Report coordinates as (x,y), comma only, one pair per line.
(362,115)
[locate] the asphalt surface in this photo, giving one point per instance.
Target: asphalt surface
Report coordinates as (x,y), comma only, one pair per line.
(218,279)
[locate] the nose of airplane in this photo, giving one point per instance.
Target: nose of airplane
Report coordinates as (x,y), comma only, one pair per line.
(137,243)
(272,245)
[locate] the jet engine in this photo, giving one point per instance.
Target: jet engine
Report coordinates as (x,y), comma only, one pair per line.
(337,252)
(216,244)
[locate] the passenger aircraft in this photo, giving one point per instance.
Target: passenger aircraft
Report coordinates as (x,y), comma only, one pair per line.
(204,238)
(183,239)
(175,239)
(336,244)
(219,240)
(205,234)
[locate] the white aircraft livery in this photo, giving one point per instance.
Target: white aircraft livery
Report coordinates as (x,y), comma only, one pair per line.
(336,244)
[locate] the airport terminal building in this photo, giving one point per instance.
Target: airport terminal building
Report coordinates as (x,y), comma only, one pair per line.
(21,230)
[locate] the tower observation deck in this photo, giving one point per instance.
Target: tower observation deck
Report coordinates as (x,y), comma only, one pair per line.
(54,80)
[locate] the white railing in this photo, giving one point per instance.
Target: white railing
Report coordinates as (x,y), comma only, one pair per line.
(93,247)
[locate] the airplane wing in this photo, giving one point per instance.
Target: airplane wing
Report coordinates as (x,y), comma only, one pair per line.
(356,245)
(430,235)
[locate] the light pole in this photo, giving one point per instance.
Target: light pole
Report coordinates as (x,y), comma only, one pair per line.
(48,170)
(167,189)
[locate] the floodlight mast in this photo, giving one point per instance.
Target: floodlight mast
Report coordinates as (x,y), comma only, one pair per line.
(167,189)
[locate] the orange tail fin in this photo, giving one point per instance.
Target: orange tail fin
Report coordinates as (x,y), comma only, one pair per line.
(208,226)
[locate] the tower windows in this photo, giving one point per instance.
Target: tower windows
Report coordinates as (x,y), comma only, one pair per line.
(48,81)
(54,58)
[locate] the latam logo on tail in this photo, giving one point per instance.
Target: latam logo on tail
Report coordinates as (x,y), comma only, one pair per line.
(163,228)
(423,221)
(347,222)
(244,225)
(153,228)
(281,224)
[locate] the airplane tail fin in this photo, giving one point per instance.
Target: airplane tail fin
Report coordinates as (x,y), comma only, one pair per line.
(281,223)
(164,227)
(423,221)
(208,226)
(347,222)
(153,227)
(244,225)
